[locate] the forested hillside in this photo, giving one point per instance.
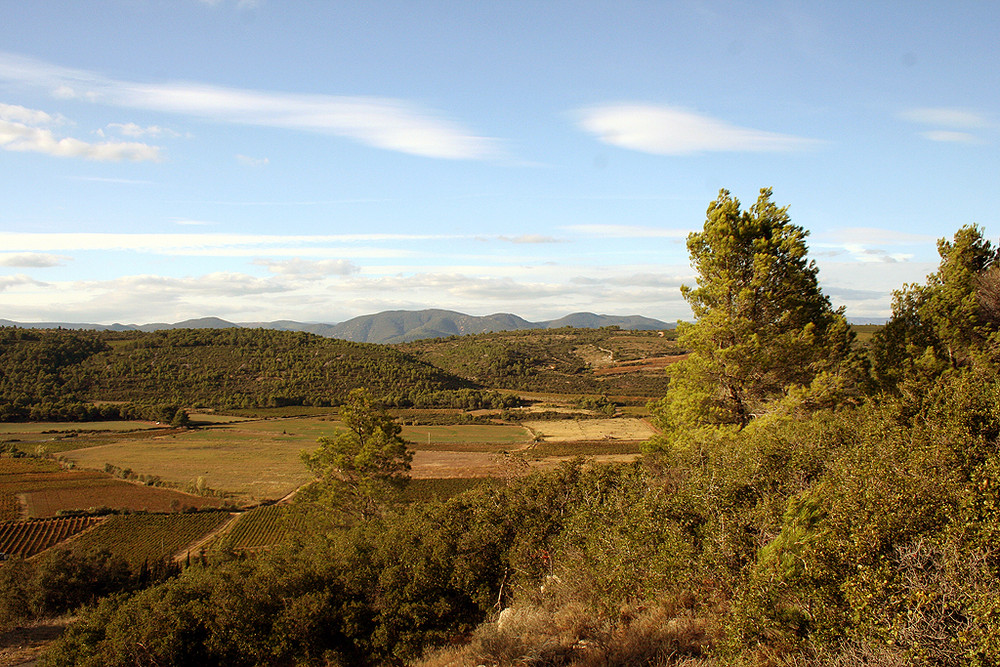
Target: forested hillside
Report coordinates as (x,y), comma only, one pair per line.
(565,360)
(51,374)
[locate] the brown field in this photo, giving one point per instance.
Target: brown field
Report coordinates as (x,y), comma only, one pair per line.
(569,430)
(44,488)
(114,494)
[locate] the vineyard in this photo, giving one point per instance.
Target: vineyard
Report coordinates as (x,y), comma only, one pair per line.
(148,538)
(10,509)
(27,538)
(264,527)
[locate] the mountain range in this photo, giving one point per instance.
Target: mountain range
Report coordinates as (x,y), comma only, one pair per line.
(393,326)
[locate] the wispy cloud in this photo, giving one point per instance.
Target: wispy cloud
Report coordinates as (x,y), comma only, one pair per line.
(195,243)
(951,136)
(529,239)
(136,131)
(299,267)
(387,123)
(31,259)
(627,231)
(8,282)
(252,161)
(952,123)
(946,117)
(22,129)
(666,130)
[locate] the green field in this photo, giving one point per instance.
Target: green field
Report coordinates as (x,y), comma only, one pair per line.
(260,460)
(69,427)
(472,434)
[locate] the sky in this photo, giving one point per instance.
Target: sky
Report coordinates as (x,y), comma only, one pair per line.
(318,160)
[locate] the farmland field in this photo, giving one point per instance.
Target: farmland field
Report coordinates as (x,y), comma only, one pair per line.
(263,527)
(257,460)
(260,460)
(140,538)
(27,538)
(45,488)
(102,491)
(63,427)
(566,430)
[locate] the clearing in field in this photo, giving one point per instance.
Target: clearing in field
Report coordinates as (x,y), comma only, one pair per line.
(260,460)
(569,430)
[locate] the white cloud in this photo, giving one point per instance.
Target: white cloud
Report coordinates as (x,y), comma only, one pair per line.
(135,131)
(946,117)
(199,244)
(665,130)
(627,231)
(7,282)
(529,239)
(252,161)
(954,119)
(18,137)
(309,268)
(20,130)
(386,123)
(951,136)
(18,114)
(31,259)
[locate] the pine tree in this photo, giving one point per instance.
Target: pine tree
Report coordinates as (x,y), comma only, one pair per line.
(762,324)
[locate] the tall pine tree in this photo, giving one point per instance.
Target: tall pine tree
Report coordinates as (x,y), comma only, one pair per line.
(762,324)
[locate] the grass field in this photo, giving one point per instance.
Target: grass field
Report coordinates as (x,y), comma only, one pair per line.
(68,427)
(257,460)
(260,460)
(568,430)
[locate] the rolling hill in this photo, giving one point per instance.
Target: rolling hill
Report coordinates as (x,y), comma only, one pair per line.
(394,326)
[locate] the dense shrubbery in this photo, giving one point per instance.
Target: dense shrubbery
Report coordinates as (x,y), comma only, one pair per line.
(60,581)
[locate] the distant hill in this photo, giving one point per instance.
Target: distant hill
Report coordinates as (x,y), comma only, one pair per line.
(394,326)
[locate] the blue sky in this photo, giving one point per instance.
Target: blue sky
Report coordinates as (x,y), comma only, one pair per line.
(315,161)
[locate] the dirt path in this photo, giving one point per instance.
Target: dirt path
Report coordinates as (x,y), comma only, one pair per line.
(204,540)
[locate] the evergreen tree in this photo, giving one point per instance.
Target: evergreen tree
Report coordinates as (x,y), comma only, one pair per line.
(361,467)
(947,321)
(762,323)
